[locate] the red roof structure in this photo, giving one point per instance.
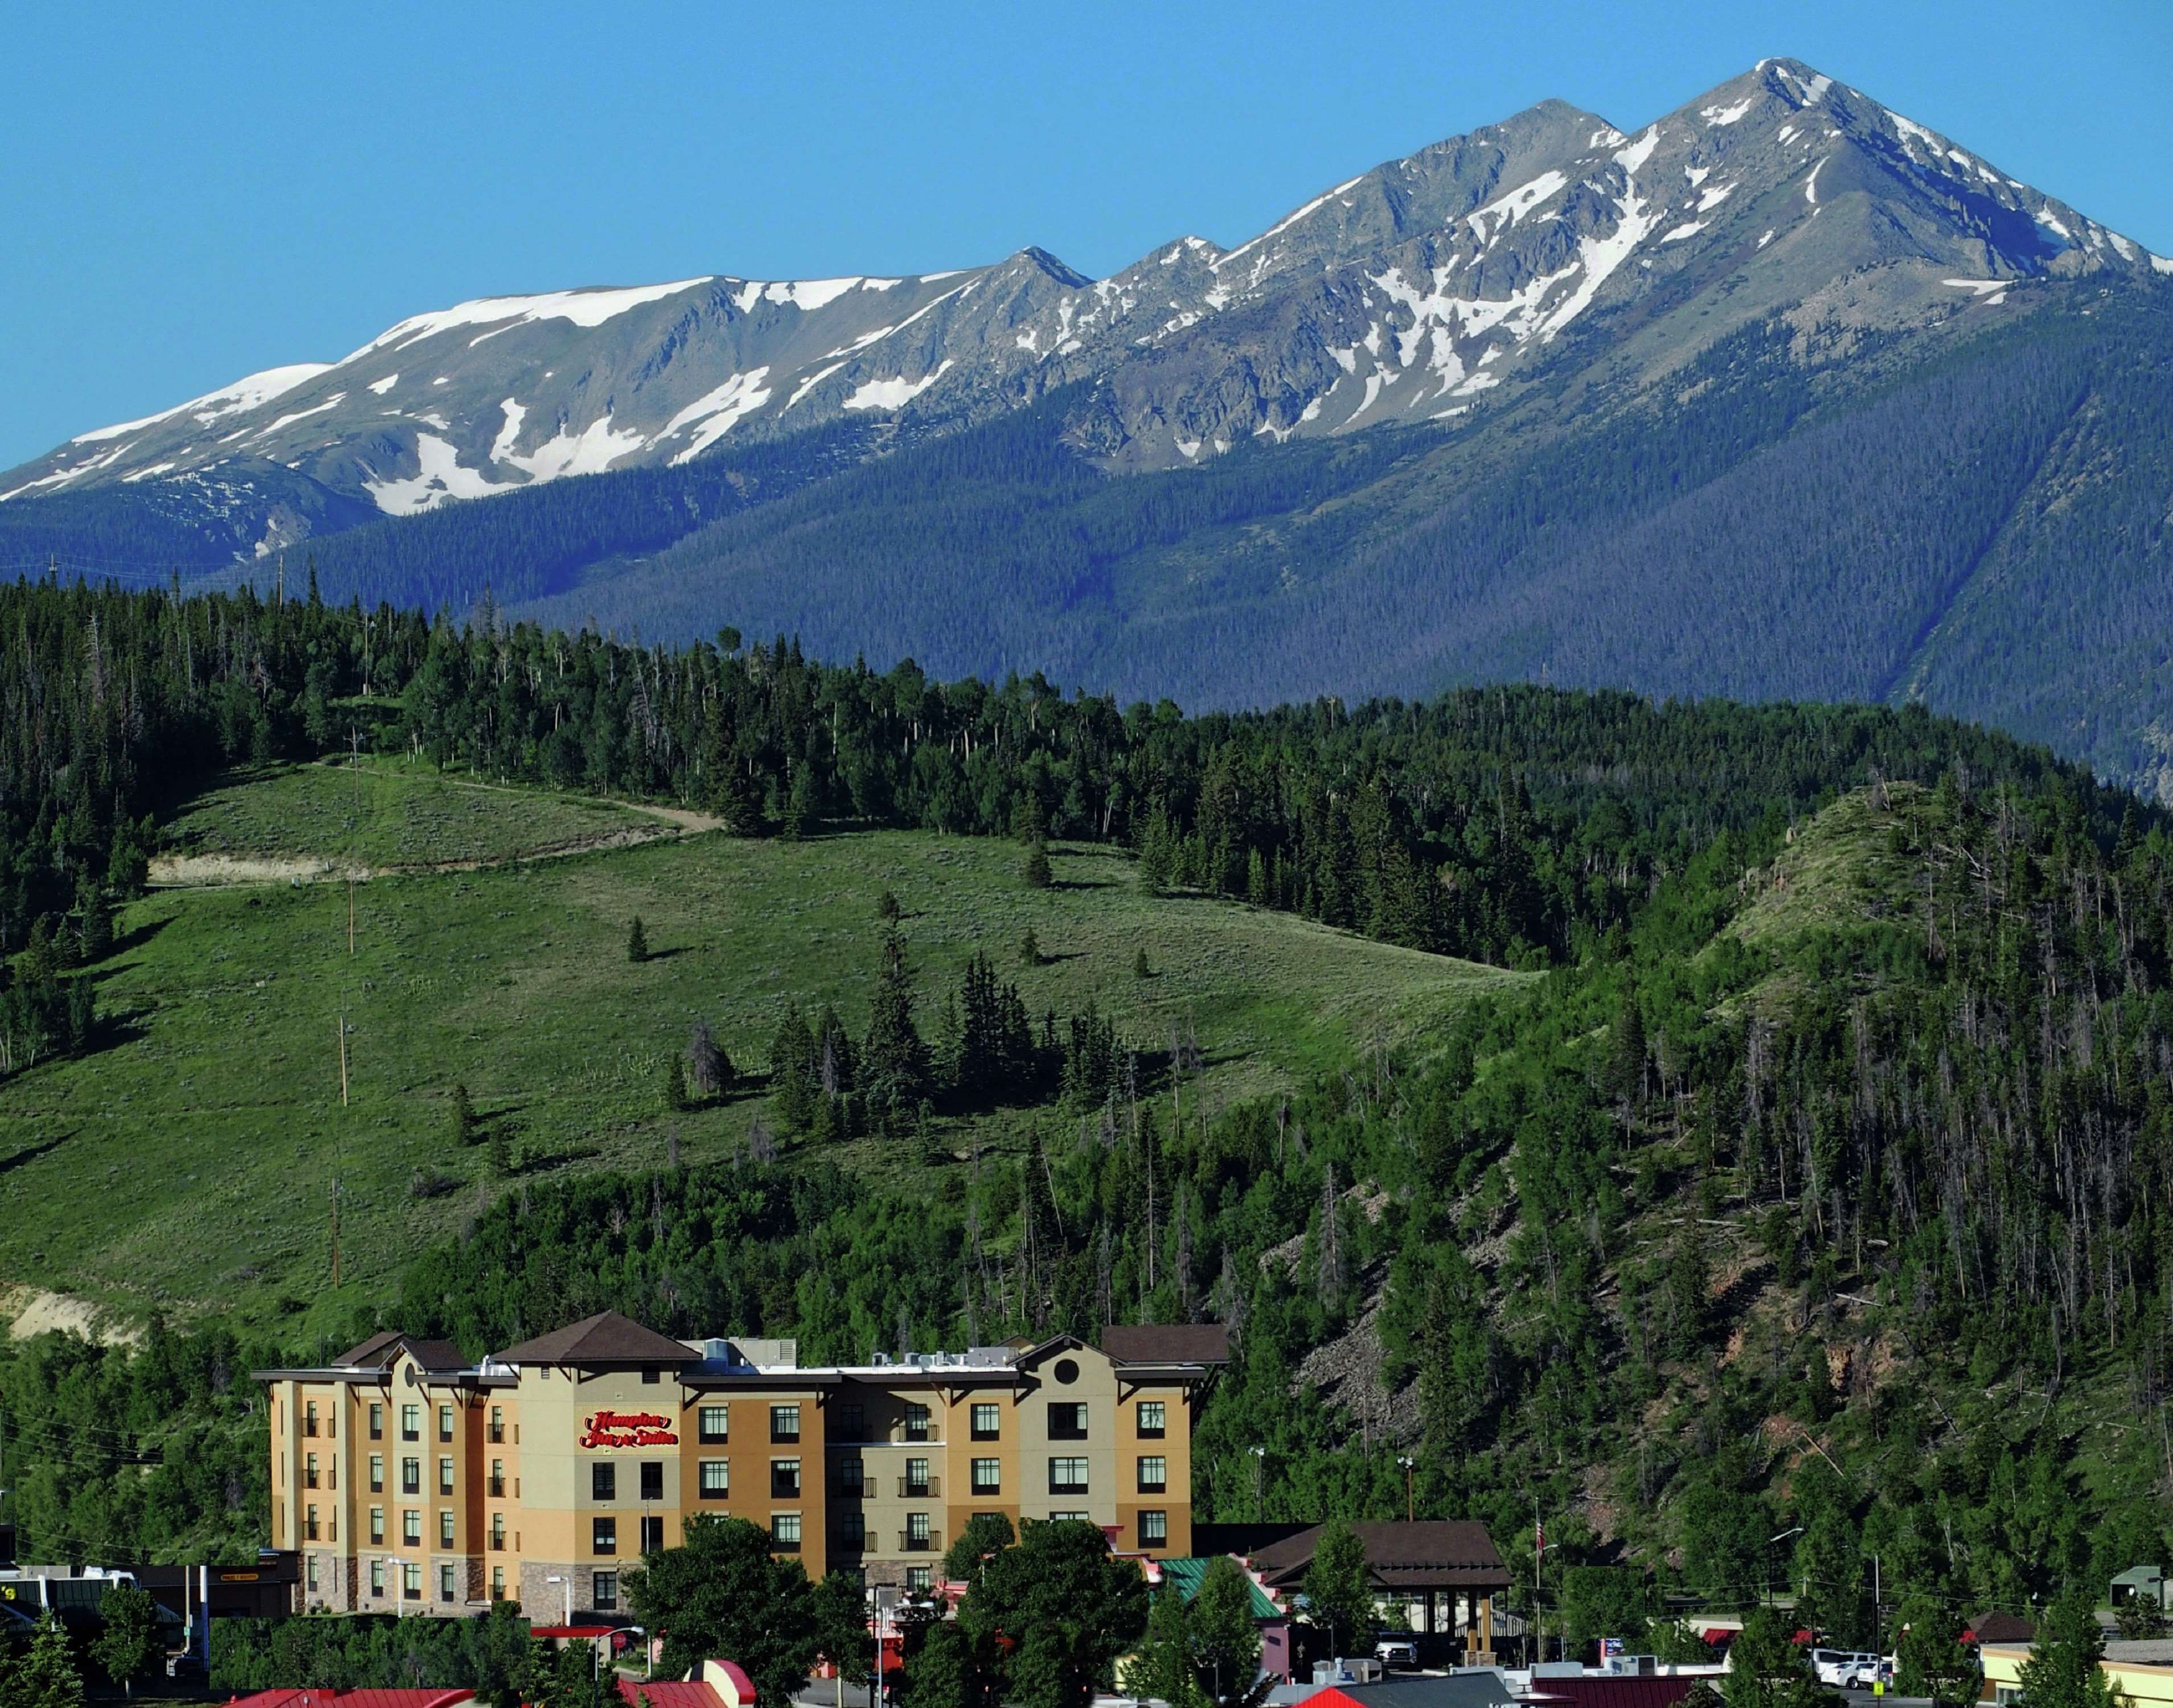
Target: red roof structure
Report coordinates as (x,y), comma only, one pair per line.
(722,1684)
(1659,1690)
(306,1698)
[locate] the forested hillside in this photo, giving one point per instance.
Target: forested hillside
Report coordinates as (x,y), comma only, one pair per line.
(1821,1179)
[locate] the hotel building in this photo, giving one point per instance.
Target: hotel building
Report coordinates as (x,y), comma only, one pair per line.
(410,1480)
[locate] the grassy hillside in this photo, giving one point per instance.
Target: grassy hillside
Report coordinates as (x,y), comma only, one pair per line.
(190,1163)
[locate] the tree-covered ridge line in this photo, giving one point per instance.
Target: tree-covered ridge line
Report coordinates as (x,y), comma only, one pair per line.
(1504,824)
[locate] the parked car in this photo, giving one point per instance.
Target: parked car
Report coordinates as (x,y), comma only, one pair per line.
(1865,1678)
(1395,1649)
(1837,1667)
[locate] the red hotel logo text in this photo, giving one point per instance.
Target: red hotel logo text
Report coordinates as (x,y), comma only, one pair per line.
(630,1429)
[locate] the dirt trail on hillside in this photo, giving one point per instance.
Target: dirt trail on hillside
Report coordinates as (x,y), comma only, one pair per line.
(223,870)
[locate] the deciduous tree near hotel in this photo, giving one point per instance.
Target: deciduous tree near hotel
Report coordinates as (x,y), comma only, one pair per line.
(724,1596)
(1068,1606)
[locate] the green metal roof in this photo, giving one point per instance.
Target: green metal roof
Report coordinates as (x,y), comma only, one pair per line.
(1189,1573)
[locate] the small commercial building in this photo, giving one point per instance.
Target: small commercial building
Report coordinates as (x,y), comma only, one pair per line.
(410,1479)
(1441,1574)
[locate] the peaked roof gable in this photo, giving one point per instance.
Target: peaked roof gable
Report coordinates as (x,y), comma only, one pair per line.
(606,1337)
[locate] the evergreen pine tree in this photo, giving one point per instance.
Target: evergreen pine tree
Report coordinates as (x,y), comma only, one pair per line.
(1030,948)
(675,1085)
(498,1154)
(464,1118)
(893,1066)
(1141,969)
(637,942)
(792,1070)
(1037,875)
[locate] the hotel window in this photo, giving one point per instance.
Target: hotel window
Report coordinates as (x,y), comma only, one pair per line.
(313,1571)
(332,1423)
(445,1526)
(603,1481)
(446,1582)
(784,1422)
(410,1476)
(916,1423)
(309,1418)
(652,1535)
(496,1487)
(916,1531)
(377,1473)
(411,1527)
(1154,1474)
(377,1577)
(713,1423)
(852,1423)
(498,1533)
(603,1536)
(603,1595)
(411,1582)
(1152,1419)
(716,1479)
(497,1425)
(444,1423)
(498,1583)
(920,1579)
(411,1423)
(853,1531)
(1069,1518)
(915,1485)
(785,1530)
(1154,1529)
(446,1474)
(309,1525)
(376,1421)
(1067,1420)
(849,1476)
(987,1421)
(377,1524)
(784,1479)
(310,1471)
(987,1476)
(1067,1476)
(649,1378)
(652,1479)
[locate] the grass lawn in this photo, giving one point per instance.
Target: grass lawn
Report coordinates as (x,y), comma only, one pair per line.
(386,814)
(190,1163)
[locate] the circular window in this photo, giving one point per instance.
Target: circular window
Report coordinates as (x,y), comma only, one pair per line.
(1067,1372)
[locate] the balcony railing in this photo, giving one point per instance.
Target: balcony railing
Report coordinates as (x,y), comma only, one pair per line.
(496,1486)
(927,1542)
(310,1530)
(920,1488)
(497,1435)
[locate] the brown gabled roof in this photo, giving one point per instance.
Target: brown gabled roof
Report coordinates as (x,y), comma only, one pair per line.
(1166,1343)
(2003,1628)
(605,1337)
(382,1348)
(1441,1552)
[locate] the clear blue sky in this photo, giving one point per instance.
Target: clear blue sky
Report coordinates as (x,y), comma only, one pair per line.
(189,193)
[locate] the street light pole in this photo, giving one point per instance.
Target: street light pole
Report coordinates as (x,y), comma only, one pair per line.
(1411,1508)
(1260,1472)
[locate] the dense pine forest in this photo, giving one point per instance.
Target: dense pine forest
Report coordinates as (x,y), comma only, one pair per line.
(1824,1179)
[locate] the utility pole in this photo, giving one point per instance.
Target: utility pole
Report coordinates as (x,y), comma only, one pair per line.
(336,1231)
(343,1050)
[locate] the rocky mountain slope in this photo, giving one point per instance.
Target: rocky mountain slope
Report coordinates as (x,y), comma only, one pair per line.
(1435,288)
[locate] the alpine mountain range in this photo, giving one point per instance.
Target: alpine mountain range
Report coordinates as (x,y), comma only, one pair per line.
(1782,395)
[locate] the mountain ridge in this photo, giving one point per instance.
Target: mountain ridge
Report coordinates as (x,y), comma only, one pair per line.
(1409,292)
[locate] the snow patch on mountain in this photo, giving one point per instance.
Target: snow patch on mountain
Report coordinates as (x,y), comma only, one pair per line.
(587,308)
(894,393)
(244,394)
(439,477)
(718,411)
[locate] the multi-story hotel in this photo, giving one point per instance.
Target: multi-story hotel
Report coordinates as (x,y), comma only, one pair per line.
(410,1480)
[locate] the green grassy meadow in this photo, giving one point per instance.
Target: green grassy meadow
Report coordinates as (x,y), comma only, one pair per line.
(189,1164)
